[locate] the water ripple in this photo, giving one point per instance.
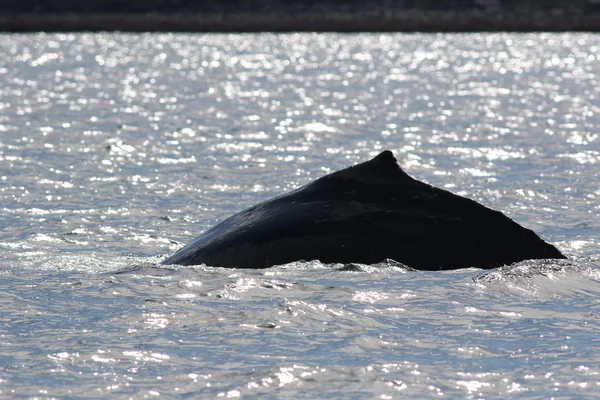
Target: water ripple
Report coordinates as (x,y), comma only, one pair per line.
(115,149)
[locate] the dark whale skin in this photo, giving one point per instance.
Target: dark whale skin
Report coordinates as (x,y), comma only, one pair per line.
(365,214)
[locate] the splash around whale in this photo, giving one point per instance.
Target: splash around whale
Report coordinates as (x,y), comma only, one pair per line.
(365,214)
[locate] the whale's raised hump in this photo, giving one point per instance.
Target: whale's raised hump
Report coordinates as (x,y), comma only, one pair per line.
(367,213)
(384,168)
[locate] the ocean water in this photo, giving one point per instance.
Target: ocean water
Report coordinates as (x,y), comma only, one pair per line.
(117,149)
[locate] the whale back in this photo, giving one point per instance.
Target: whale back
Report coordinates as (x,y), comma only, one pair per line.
(365,214)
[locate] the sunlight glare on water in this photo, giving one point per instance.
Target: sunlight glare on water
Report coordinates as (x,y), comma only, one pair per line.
(116,149)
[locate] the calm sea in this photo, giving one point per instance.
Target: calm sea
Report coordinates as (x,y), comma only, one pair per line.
(117,149)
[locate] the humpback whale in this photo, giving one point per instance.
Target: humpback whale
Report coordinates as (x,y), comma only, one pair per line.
(367,213)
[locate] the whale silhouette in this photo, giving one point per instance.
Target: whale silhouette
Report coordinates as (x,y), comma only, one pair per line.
(365,214)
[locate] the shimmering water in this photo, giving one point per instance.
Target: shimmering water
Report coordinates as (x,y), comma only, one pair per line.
(117,149)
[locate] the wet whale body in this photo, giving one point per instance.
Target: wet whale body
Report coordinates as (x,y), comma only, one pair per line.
(365,214)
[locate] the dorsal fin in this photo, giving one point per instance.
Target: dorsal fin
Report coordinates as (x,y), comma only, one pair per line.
(385,158)
(383,168)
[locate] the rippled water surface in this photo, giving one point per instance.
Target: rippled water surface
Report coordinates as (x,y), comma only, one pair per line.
(117,149)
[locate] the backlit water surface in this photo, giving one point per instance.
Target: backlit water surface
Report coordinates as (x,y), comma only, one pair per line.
(117,149)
